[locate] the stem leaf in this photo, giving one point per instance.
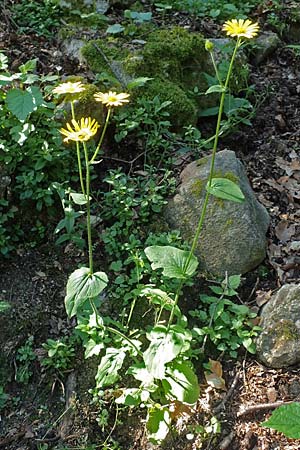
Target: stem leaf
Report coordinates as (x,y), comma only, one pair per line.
(172,260)
(225,189)
(215,88)
(181,383)
(81,286)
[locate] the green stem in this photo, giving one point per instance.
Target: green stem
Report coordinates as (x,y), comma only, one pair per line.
(210,177)
(102,136)
(78,153)
(113,330)
(215,68)
(88,208)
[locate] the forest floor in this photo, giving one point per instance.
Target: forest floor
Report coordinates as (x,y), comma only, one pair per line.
(33,282)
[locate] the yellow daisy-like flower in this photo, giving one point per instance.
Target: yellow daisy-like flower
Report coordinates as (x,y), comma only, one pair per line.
(82,131)
(241,28)
(69,88)
(111,98)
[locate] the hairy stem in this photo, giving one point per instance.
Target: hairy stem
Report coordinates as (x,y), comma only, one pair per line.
(88,208)
(102,136)
(78,153)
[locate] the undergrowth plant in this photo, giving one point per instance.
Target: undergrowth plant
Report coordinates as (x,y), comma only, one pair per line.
(158,356)
(31,154)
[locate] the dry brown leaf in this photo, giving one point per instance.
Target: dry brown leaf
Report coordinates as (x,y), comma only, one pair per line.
(284,231)
(214,376)
(262,297)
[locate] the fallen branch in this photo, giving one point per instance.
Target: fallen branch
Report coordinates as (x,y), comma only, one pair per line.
(244,410)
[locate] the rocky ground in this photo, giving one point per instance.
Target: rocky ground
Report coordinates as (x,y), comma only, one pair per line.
(34,281)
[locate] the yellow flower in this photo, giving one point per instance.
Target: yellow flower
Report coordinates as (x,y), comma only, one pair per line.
(82,131)
(241,28)
(69,88)
(111,98)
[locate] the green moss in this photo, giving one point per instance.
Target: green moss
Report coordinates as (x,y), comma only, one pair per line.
(197,187)
(97,52)
(182,110)
(285,330)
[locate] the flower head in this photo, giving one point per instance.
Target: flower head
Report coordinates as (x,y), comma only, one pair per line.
(241,28)
(111,98)
(69,88)
(82,131)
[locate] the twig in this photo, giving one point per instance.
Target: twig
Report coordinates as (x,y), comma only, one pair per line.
(244,410)
(221,405)
(226,441)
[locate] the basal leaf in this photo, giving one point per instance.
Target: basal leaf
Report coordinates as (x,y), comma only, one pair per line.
(165,345)
(158,424)
(111,362)
(172,260)
(79,199)
(81,286)
(181,383)
(225,189)
(286,419)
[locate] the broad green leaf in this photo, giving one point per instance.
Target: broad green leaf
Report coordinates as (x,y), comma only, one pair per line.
(81,286)
(181,383)
(165,345)
(133,397)
(79,199)
(158,424)
(285,419)
(3,61)
(114,29)
(140,373)
(172,260)
(111,362)
(20,103)
(225,189)
(215,88)
(4,306)
(213,111)
(92,348)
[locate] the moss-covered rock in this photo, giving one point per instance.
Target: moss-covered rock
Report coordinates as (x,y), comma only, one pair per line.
(172,57)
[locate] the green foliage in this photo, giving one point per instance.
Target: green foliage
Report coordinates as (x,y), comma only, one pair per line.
(227,325)
(25,356)
(32,156)
(175,263)
(4,306)
(39,17)
(3,398)
(60,354)
(285,419)
(216,9)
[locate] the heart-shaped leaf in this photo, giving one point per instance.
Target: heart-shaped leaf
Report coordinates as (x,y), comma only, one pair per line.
(286,419)
(181,383)
(174,262)
(81,286)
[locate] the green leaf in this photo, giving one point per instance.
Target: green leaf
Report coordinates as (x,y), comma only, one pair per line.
(108,368)
(181,383)
(4,306)
(158,424)
(215,88)
(213,111)
(29,66)
(92,348)
(137,82)
(20,103)
(165,345)
(286,419)
(172,260)
(133,397)
(81,286)
(225,189)
(157,296)
(79,199)
(114,29)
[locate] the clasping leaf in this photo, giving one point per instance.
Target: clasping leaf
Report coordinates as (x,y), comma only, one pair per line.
(225,189)
(172,260)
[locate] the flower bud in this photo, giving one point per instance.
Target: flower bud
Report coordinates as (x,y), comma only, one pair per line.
(209,46)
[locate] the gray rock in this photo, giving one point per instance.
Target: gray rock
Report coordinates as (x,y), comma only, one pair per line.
(266,43)
(233,238)
(71,48)
(278,345)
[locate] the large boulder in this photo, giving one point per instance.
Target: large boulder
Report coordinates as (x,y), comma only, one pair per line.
(233,238)
(278,345)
